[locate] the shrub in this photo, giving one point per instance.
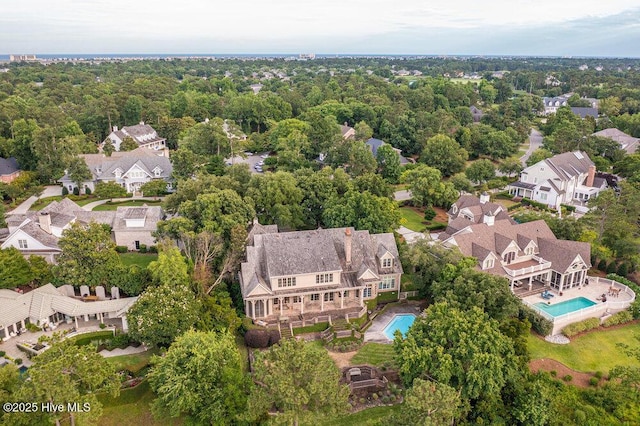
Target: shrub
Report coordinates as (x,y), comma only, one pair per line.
(76,191)
(602,265)
(18,361)
(568,207)
(2,353)
(429,213)
(65,191)
(375,396)
(623,269)
(554,373)
(612,267)
(619,318)
(152,249)
(578,327)
(594,381)
(568,378)
(362,400)
(256,339)
(122,249)
(539,324)
(514,206)
(33,327)
(87,190)
(103,325)
(274,337)
(143,248)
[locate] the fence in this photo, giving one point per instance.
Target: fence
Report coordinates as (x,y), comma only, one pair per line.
(407,294)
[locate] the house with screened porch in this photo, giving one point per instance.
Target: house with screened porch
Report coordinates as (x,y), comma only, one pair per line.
(293,276)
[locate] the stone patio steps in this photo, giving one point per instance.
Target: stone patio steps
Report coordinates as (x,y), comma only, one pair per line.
(285,331)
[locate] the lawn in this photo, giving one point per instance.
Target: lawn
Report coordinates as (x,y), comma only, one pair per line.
(132,203)
(412,220)
(133,362)
(374,354)
(80,200)
(41,203)
(141,259)
(406,283)
(371,416)
(591,352)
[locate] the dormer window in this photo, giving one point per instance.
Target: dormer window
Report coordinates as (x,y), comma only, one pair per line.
(118,173)
(528,250)
(387,263)
(454,209)
(488,263)
(509,257)
(157,171)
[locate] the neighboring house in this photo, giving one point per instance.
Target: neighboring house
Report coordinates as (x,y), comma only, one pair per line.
(470,209)
(528,254)
(134,226)
(627,142)
(37,233)
(130,169)
(476,113)
(9,169)
(551,105)
(561,179)
(347,131)
(143,134)
(49,306)
(305,274)
(374,144)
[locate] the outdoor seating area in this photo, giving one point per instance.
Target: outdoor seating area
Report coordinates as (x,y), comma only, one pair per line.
(547,295)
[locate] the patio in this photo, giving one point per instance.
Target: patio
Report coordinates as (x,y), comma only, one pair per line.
(375,333)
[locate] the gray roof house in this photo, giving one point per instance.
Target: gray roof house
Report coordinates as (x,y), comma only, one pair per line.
(307,274)
(527,254)
(627,142)
(37,233)
(143,134)
(131,169)
(9,169)
(568,178)
(48,305)
(374,144)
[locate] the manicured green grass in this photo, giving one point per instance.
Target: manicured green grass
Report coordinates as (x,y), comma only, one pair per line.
(132,408)
(406,282)
(108,206)
(390,296)
(374,354)
(133,362)
(315,328)
(591,352)
(370,416)
(141,259)
(41,203)
(85,339)
(412,220)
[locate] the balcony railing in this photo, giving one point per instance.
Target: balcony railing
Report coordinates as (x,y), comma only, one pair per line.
(541,266)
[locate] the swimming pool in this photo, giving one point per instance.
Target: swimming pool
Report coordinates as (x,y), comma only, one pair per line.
(399,322)
(565,307)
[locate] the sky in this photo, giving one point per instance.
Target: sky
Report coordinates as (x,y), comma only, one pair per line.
(464,27)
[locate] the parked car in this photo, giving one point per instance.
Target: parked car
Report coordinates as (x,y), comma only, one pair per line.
(264,156)
(248,154)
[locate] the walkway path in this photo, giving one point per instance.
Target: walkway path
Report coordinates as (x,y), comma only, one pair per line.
(129,350)
(49,191)
(410,236)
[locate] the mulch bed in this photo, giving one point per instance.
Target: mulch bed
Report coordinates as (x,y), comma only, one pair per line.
(580,380)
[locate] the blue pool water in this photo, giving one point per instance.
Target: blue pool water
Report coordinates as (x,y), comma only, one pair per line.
(565,307)
(23,370)
(399,322)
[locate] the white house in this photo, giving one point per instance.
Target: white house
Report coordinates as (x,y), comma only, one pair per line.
(130,169)
(143,134)
(562,179)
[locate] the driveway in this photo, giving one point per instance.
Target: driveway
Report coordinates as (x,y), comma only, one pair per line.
(251,160)
(49,191)
(402,195)
(535,142)
(410,236)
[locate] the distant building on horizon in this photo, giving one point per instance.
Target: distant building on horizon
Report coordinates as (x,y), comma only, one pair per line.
(22,58)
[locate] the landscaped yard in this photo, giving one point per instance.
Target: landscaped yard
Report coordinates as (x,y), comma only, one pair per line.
(369,416)
(591,352)
(80,200)
(412,220)
(129,203)
(374,354)
(133,362)
(141,259)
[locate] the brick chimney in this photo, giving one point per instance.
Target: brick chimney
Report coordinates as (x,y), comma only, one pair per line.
(347,245)
(591,175)
(45,222)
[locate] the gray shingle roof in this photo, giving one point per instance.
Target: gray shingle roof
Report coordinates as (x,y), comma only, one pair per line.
(570,164)
(8,166)
(141,133)
(627,142)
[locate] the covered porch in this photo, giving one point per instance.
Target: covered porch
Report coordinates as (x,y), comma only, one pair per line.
(521,189)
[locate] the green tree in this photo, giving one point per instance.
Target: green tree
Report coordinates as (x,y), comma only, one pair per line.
(538,155)
(3,223)
(360,159)
(461,349)
(444,154)
(277,199)
(154,188)
(362,210)
(108,148)
(427,187)
(388,163)
(218,211)
(480,171)
(64,374)
(78,171)
(106,189)
(88,254)
(201,376)
(510,166)
(363,131)
(15,269)
(128,144)
(430,404)
(297,379)
(461,183)
(41,270)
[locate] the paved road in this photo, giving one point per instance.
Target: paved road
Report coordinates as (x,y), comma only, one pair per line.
(535,142)
(49,191)
(251,160)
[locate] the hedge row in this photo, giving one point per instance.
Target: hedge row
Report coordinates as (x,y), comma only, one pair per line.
(619,318)
(259,339)
(539,324)
(578,327)
(529,202)
(635,306)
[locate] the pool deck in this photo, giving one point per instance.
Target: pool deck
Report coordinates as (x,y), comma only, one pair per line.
(375,333)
